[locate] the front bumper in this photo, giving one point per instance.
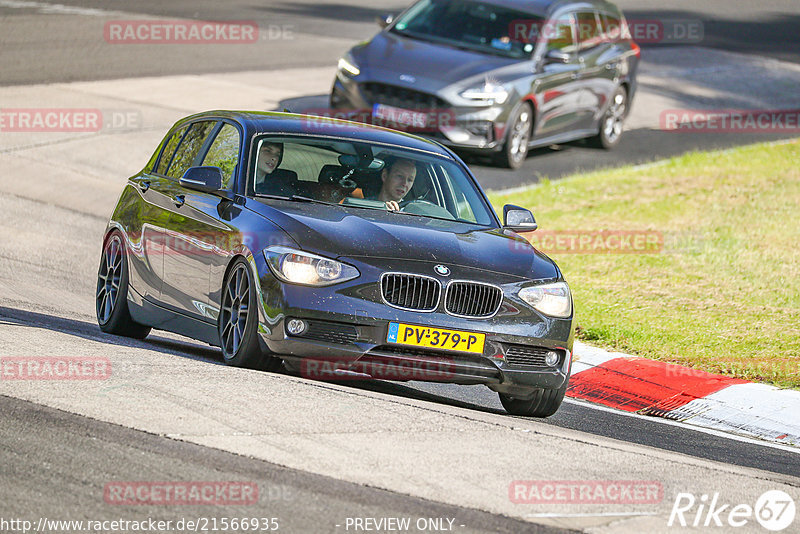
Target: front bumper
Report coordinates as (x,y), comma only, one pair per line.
(347,330)
(474,129)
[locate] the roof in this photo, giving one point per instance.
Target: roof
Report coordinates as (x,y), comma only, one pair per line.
(542,7)
(255,122)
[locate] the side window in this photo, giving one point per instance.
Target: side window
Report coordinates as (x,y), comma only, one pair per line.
(169,151)
(590,32)
(224,153)
(561,34)
(306,161)
(189,148)
(613,27)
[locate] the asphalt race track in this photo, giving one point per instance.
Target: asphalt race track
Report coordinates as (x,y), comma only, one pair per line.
(320,454)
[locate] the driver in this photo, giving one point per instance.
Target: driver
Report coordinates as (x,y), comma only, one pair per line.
(270,180)
(397,177)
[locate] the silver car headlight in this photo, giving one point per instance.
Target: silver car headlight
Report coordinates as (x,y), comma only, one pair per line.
(303,268)
(488,92)
(348,65)
(550,299)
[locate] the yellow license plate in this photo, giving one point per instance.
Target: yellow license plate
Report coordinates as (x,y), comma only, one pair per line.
(435,338)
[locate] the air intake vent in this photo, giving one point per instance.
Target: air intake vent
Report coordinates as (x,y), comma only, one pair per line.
(330,332)
(472,299)
(411,291)
(393,95)
(524,355)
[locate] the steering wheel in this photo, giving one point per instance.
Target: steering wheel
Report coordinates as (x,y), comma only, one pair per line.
(424,207)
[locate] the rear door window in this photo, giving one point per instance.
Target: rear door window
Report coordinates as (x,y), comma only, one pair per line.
(189,148)
(224,153)
(560,34)
(590,31)
(612,27)
(169,150)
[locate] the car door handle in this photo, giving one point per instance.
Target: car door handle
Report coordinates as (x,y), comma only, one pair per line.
(179,200)
(144,185)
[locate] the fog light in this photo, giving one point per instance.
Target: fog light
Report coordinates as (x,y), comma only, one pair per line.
(551,358)
(296,326)
(480,128)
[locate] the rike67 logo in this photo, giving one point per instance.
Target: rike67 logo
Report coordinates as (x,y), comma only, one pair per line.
(774,510)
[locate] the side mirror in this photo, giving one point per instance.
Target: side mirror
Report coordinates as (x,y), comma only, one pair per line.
(518,219)
(555,55)
(384,20)
(205,179)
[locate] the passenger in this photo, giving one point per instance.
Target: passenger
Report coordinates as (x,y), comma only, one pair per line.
(270,180)
(398,178)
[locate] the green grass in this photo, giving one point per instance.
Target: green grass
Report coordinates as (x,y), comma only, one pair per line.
(724,293)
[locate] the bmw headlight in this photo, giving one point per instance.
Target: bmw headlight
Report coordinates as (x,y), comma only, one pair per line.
(348,65)
(298,267)
(550,299)
(489,92)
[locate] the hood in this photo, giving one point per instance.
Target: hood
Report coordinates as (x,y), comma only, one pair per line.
(339,232)
(434,66)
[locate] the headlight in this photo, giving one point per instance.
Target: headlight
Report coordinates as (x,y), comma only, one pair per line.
(489,92)
(550,299)
(347,65)
(298,267)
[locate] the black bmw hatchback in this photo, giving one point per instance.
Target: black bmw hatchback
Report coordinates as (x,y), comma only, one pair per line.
(338,251)
(495,76)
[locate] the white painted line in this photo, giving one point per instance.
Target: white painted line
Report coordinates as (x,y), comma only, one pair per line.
(757,409)
(58,9)
(585,357)
(685,426)
(602,514)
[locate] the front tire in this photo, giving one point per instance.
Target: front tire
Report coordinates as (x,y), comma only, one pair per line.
(111,295)
(544,403)
(515,148)
(611,125)
(238,322)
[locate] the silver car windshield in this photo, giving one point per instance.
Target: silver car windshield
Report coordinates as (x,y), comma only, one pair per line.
(363,175)
(479,26)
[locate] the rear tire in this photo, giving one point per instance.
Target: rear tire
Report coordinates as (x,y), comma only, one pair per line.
(518,135)
(612,123)
(238,322)
(111,295)
(544,403)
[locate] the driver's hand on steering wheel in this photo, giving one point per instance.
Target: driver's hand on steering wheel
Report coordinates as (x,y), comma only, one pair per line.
(392,205)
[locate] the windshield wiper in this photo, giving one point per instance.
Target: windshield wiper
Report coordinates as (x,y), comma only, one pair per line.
(458,45)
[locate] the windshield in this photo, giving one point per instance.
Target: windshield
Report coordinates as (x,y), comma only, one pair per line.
(468,24)
(366,176)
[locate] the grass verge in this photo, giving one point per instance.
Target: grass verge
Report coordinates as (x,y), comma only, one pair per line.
(722,291)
